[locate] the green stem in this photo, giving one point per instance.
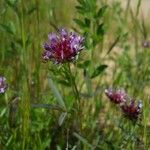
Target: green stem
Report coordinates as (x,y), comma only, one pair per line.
(138,7)
(73,84)
(25,101)
(145,125)
(127,9)
(6,98)
(77,97)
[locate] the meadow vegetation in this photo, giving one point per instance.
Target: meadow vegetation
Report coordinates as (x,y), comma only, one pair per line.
(89,90)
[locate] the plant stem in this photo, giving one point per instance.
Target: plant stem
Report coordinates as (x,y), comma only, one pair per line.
(73,83)
(138,7)
(77,97)
(145,125)
(25,101)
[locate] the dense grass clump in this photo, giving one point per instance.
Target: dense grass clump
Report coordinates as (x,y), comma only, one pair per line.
(86,86)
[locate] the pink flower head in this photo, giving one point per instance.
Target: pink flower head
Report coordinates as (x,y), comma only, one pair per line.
(3,85)
(116,96)
(62,46)
(131,110)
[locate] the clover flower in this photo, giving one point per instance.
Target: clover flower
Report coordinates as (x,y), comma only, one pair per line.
(132,110)
(62,46)
(116,96)
(3,85)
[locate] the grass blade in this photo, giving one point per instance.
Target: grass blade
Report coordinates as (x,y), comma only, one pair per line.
(55,91)
(62,118)
(82,140)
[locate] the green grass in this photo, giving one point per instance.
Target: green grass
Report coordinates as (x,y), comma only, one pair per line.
(50,106)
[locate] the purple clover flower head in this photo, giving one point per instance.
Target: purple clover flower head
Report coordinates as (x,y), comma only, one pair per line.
(132,110)
(62,46)
(3,85)
(63,32)
(116,96)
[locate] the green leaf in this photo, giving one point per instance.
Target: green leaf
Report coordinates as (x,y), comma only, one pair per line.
(11,3)
(85,64)
(87,22)
(3,112)
(63,82)
(9,140)
(9,28)
(74,147)
(79,22)
(101,11)
(55,91)
(100,29)
(80,9)
(81,2)
(98,71)
(62,118)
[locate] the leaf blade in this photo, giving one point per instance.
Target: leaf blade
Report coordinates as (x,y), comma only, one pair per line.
(55,91)
(98,71)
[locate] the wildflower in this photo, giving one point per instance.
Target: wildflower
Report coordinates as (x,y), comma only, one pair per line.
(131,110)
(62,46)
(116,96)
(3,85)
